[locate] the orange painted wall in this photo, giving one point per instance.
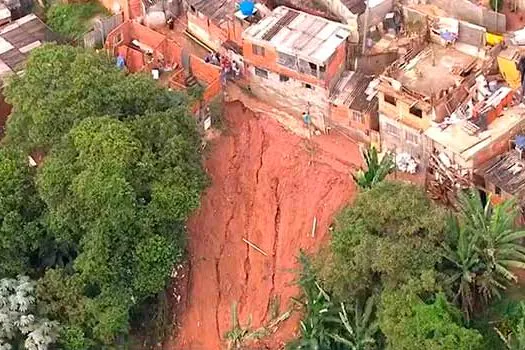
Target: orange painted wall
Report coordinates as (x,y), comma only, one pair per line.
(269,62)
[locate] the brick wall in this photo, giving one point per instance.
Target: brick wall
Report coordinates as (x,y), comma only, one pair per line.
(270,58)
(205,72)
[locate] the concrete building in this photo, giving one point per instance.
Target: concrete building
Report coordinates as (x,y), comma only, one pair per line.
(294,60)
(421,88)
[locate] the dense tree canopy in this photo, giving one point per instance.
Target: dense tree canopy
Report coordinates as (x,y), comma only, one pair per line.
(390,232)
(100,223)
(430,270)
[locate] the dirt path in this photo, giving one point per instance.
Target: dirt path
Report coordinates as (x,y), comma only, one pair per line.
(267,186)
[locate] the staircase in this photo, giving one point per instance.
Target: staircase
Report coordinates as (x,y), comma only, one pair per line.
(190,80)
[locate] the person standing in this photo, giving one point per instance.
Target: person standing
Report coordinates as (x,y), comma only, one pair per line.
(521,68)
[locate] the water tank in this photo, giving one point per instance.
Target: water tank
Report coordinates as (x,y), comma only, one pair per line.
(247,7)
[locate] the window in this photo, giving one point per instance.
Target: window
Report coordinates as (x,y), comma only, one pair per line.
(313,66)
(412,138)
(358,117)
(193,9)
(497,190)
(391,129)
(390,99)
(322,69)
(261,73)
(118,38)
(286,60)
(308,86)
(416,111)
(283,78)
(257,50)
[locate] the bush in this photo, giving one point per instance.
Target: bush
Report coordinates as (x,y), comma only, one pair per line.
(72,20)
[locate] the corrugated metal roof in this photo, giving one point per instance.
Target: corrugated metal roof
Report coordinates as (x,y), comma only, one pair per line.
(309,37)
(17,39)
(350,91)
(216,10)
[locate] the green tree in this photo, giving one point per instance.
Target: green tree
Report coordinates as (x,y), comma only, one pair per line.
(409,323)
(21,232)
(376,170)
(388,235)
(514,339)
(483,247)
(103,218)
(63,85)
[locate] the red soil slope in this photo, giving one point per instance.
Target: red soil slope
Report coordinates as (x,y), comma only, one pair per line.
(267,186)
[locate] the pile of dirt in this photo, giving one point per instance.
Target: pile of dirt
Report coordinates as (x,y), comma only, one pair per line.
(267,186)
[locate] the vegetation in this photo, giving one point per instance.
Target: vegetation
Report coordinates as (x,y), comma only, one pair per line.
(73,20)
(20,324)
(433,274)
(482,248)
(496,5)
(100,222)
(376,170)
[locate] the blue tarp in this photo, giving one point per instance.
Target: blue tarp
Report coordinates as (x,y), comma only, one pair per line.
(520,141)
(120,62)
(247,7)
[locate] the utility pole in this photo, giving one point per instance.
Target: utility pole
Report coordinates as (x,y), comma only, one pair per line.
(365,28)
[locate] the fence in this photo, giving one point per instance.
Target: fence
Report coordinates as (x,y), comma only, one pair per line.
(101,28)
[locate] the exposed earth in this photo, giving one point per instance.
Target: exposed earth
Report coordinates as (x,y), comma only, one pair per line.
(267,186)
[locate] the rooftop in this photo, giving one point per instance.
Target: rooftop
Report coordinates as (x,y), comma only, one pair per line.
(455,138)
(350,91)
(292,32)
(507,171)
(220,11)
(18,38)
(434,69)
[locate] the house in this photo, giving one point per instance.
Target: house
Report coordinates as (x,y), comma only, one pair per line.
(17,39)
(214,22)
(504,176)
(145,50)
(471,150)
(421,88)
(294,59)
(352,110)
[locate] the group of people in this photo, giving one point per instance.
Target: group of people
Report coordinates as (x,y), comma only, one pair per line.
(228,68)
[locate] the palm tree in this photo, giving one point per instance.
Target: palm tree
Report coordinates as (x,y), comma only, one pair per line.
(483,248)
(359,332)
(499,240)
(462,253)
(376,170)
(515,340)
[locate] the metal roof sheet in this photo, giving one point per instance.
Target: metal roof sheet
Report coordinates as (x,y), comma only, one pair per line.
(309,37)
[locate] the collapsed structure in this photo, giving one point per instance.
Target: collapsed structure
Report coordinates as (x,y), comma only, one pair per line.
(442,107)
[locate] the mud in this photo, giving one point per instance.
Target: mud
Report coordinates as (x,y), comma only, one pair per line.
(267,186)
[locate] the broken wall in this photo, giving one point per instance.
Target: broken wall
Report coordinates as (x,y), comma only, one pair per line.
(470,12)
(401,138)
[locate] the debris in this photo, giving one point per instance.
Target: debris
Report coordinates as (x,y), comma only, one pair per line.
(314,226)
(254,247)
(406,163)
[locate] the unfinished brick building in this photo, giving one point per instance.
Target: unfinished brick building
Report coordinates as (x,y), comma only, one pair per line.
(352,110)
(294,59)
(419,89)
(215,22)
